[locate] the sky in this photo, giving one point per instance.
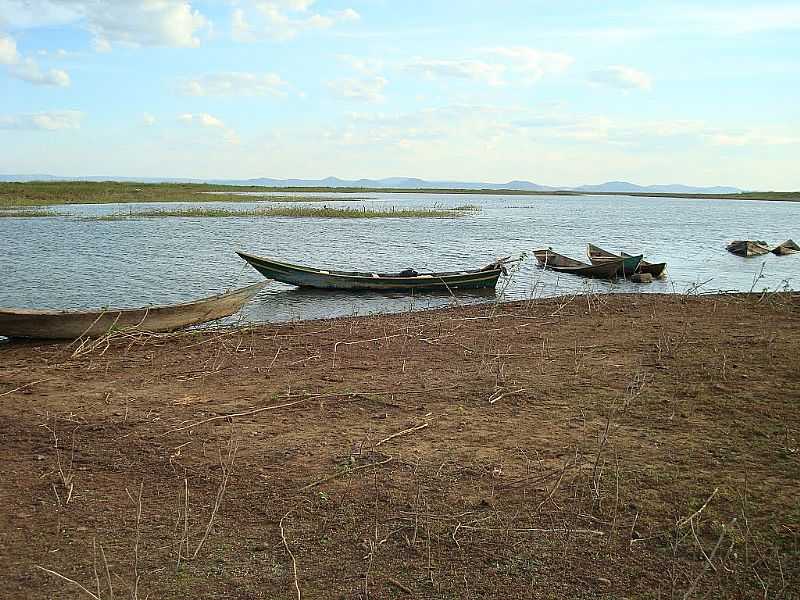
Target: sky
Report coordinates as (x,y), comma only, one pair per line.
(559,93)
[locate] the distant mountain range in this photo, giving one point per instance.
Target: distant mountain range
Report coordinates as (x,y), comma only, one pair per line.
(403,183)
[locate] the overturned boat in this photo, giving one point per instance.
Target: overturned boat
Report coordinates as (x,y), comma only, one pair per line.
(787,247)
(747,247)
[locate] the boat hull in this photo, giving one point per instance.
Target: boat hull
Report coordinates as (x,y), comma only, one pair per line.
(747,248)
(597,254)
(787,247)
(54,324)
(548,259)
(351,280)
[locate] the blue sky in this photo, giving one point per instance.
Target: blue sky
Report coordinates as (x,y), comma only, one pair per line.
(560,93)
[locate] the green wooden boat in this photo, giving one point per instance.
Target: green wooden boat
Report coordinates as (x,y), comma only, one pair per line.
(609,269)
(597,255)
(407,280)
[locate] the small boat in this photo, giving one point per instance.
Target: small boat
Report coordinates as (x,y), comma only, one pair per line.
(609,269)
(748,247)
(597,254)
(62,324)
(408,279)
(787,247)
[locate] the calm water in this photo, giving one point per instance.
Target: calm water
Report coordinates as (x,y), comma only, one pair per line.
(69,262)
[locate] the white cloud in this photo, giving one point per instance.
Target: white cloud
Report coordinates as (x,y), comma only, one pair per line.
(752,138)
(748,19)
(50,121)
(206,120)
(491,74)
(622,77)
(27,69)
(234,84)
(240,27)
(533,64)
(8,50)
(282,19)
(148,119)
(368,89)
(131,22)
(367,66)
(524,64)
(145,23)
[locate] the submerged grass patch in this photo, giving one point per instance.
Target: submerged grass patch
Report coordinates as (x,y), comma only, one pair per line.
(27,213)
(297,211)
(292,198)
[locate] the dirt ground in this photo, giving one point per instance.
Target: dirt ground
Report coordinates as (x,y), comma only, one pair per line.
(621,446)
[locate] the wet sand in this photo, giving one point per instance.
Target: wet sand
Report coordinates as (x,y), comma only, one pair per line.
(592,446)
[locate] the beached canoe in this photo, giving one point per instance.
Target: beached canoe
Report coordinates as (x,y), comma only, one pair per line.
(60,324)
(409,279)
(597,255)
(787,247)
(610,269)
(747,247)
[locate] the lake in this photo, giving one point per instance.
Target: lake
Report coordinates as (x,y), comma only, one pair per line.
(71,262)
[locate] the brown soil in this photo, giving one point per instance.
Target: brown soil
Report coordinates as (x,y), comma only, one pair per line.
(596,446)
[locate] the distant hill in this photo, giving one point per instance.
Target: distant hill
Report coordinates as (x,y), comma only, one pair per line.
(675,188)
(399,183)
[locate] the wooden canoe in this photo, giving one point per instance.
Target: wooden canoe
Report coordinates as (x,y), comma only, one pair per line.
(597,254)
(787,247)
(59,324)
(609,269)
(748,247)
(356,280)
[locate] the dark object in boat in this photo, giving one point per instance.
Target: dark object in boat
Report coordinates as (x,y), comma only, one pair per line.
(485,277)
(787,247)
(597,254)
(609,269)
(748,247)
(61,324)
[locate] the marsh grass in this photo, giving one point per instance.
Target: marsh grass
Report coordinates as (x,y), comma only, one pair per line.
(9,212)
(267,197)
(48,193)
(295,211)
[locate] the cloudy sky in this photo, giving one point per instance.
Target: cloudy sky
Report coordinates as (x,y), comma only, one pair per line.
(560,93)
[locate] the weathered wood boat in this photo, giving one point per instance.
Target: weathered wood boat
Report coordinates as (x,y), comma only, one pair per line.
(609,269)
(409,279)
(597,255)
(787,247)
(60,324)
(747,247)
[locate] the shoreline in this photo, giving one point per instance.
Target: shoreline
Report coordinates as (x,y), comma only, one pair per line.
(15,195)
(588,444)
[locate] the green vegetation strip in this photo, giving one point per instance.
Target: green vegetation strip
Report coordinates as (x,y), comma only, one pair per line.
(49,193)
(46,193)
(27,213)
(296,211)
